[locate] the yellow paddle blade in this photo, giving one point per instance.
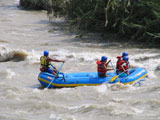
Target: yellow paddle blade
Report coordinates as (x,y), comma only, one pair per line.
(114,78)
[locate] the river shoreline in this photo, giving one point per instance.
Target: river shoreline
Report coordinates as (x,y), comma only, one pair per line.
(109,39)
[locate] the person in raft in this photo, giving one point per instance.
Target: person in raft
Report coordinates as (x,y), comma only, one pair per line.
(46,63)
(123,67)
(102,66)
(118,63)
(124,54)
(119,59)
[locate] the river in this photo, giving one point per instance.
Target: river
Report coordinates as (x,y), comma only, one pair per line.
(24,35)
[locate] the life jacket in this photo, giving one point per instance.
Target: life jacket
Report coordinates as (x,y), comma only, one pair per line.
(118,61)
(100,67)
(118,64)
(125,67)
(44,62)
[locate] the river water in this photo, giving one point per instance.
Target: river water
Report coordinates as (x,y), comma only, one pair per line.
(24,35)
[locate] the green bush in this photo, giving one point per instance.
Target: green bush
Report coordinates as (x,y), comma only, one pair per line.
(139,20)
(34,4)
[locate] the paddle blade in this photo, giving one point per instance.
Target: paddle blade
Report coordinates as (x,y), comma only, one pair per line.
(114,78)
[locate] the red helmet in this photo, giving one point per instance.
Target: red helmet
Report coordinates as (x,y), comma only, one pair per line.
(119,57)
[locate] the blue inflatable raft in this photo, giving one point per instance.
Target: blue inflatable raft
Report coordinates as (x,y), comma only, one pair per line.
(90,78)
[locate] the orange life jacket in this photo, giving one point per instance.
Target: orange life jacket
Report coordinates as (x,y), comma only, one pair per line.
(100,67)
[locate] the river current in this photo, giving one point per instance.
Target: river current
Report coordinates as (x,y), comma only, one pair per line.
(24,35)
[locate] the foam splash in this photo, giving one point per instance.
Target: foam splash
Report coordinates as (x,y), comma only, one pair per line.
(148,61)
(21,34)
(79,107)
(10,74)
(126,110)
(118,86)
(34,57)
(10,94)
(61,117)
(89,56)
(102,88)
(12,55)
(119,100)
(7,74)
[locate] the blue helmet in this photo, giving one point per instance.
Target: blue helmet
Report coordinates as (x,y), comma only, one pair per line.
(124,54)
(104,58)
(46,53)
(125,58)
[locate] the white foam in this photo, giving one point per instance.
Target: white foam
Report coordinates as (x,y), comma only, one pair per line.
(11,94)
(33,57)
(10,74)
(119,86)
(126,111)
(102,88)
(73,56)
(22,34)
(36,90)
(150,64)
(78,107)
(119,100)
(62,117)
(53,116)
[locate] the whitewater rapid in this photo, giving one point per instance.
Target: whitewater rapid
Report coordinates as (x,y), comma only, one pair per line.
(24,35)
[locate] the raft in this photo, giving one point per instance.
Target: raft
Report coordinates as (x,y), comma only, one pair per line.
(90,78)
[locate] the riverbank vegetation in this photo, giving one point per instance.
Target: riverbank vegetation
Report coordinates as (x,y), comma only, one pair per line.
(34,4)
(137,20)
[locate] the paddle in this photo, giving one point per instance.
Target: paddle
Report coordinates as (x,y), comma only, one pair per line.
(53,66)
(115,77)
(113,67)
(54,76)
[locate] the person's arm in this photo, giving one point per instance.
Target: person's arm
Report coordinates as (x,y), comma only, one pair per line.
(108,62)
(54,60)
(105,65)
(124,69)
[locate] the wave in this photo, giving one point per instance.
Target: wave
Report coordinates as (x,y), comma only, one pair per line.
(12,55)
(7,74)
(3,41)
(15,56)
(147,56)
